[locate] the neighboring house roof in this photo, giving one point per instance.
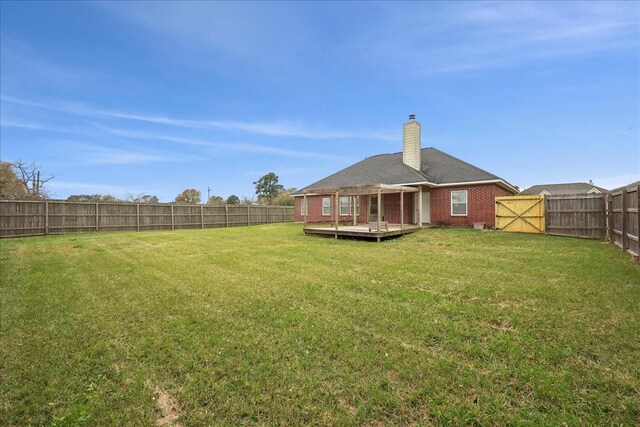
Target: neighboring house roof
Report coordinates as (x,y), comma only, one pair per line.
(569,188)
(437,168)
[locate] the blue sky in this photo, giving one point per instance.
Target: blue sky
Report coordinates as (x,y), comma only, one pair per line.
(159,97)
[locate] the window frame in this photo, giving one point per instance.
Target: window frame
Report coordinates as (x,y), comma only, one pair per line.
(326,207)
(304,208)
(346,205)
(352,203)
(377,205)
(466,202)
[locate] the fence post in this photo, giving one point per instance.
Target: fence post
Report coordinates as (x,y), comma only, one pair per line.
(46,217)
(609,204)
(97,216)
(625,241)
(283,217)
(604,217)
(248,216)
(638,214)
(202,216)
(173,221)
(267,215)
(226,215)
(138,216)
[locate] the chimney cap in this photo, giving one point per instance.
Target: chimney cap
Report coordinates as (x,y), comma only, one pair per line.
(412,117)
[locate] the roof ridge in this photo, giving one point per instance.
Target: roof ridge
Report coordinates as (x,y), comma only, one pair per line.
(566,183)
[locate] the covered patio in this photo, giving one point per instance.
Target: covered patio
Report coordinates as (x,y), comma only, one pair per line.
(376,228)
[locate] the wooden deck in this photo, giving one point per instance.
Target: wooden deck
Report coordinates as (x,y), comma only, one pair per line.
(361,231)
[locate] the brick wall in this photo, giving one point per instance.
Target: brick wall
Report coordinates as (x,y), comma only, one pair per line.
(391,211)
(315,210)
(480,204)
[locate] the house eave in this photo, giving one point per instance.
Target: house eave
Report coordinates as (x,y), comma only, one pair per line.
(490,181)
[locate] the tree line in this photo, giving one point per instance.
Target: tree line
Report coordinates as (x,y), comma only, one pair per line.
(23,180)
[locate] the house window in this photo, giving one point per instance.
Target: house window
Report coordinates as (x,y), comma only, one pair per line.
(326,206)
(303,207)
(459,203)
(344,205)
(373,205)
(349,205)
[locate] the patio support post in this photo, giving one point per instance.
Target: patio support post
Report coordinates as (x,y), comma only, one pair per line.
(379,207)
(306,208)
(354,204)
(379,211)
(337,211)
(420,207)
(402,210)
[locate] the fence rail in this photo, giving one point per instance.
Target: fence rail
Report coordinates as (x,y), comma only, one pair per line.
(19,218)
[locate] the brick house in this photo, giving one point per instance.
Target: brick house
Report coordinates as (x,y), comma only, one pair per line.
(451,191)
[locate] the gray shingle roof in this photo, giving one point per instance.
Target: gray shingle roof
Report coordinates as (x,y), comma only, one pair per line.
(567,188)
(437,167)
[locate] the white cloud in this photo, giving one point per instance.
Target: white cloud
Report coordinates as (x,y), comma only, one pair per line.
(458,36)
(243,147)
(259,32)
(262,128)
(97,154)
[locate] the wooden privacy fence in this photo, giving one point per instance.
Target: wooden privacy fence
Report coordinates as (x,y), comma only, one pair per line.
(576,215)
(30,218)
(624,218)
(615,216)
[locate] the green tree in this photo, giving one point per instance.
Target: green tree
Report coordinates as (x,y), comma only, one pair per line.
(215,201)
(190,195)
(85,198)
(284,198)
(108,198)
(93,198)
(267,187)
(10,186)
(233,200)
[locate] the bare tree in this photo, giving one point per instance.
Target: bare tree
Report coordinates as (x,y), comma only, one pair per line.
(29,175)
(142,198)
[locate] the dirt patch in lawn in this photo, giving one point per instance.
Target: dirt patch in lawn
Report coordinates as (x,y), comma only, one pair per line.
(169,407)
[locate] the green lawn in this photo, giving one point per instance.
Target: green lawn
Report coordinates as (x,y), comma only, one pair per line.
(262,325)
